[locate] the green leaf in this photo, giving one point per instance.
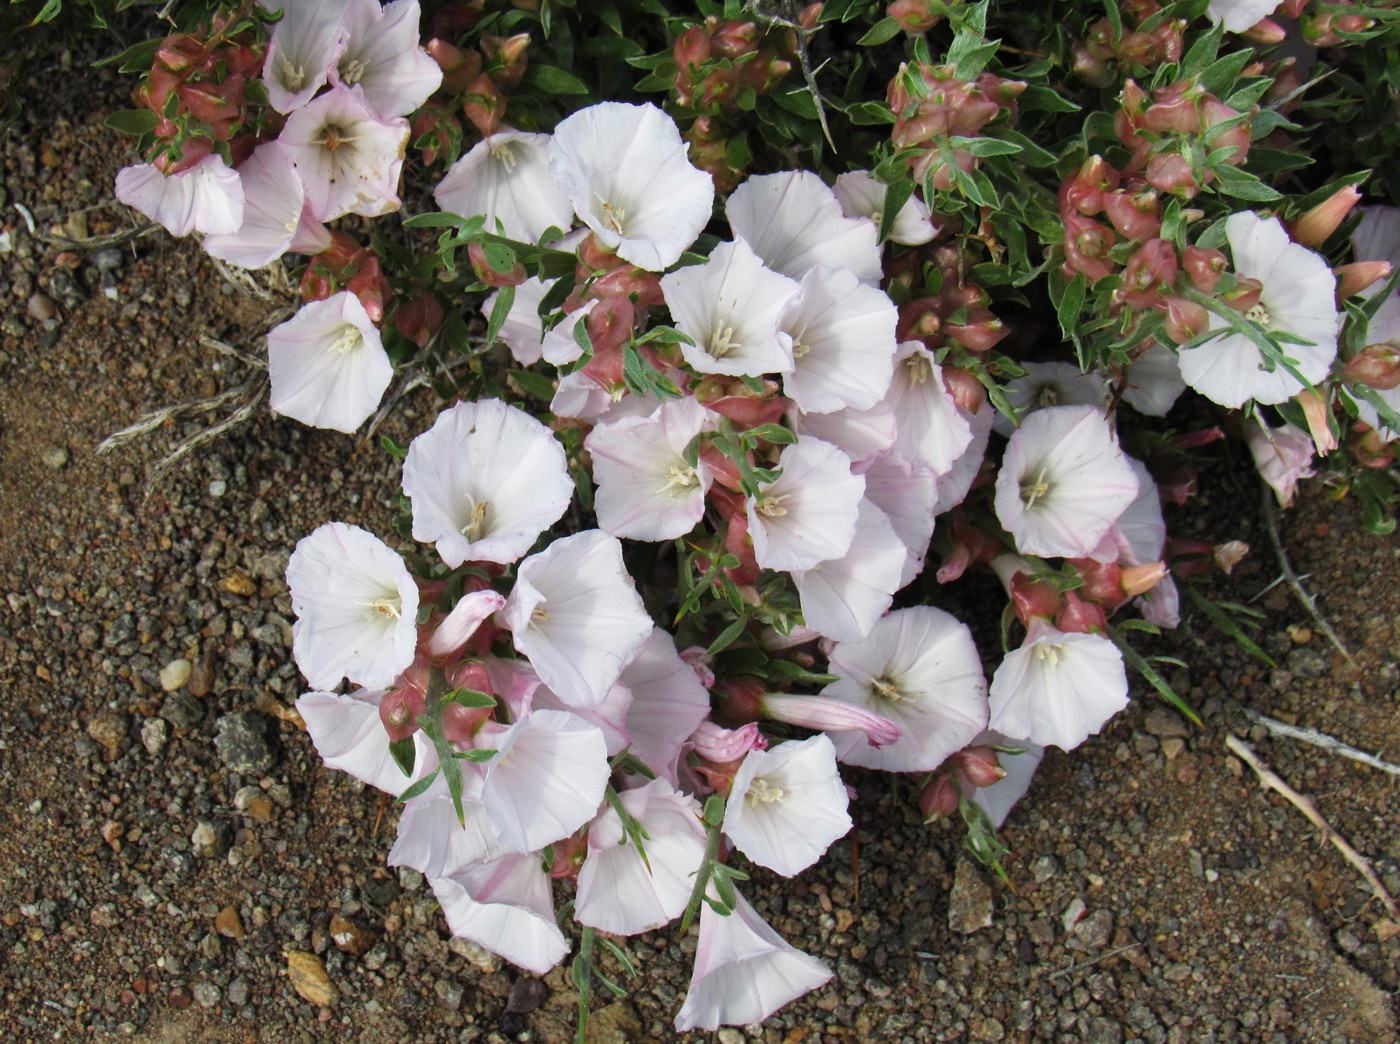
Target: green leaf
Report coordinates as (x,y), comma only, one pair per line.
(418,788)
(869,114)
(505,298)
(883,31)
(736,152)
(404,751)
(535,385)
(1203,51)
(470,698)
(554,81)
(728,636)
(1223,622)
(478,756)
(133,121)
(1243,185)
(1067,309)
(392,448)
(437,220)
(1135,660)
(774,433)
(1220,76)
(897,193)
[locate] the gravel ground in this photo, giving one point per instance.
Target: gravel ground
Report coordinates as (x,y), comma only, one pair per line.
(170,837)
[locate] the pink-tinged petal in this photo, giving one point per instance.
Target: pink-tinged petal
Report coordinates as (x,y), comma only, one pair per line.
(272,207)
(830,715)
(843,343)
(348,159)
(1140,533)
(842,598)
(507,907)
(862,196)
(327,365)
(795,223)
(1154,381)
(907,494)
(744,971)
(668,704)
(433,841)
(305,43)
(485,481)
(457,627)
(350,736)
(506,177)
(1283,455)
(207,197)
(954,484)
(610,716)
(382,56)
(863,435)
(808,515)
(1240,15)
(631,181)
(718,744)
(932,430)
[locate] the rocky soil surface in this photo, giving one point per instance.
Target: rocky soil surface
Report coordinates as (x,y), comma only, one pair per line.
(176,865)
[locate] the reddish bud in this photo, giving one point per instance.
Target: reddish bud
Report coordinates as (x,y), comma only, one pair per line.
(1139,579)
(967,391)
(1315,226)
(1101,582)
(939,798)
(481,265)
(1265,31)
(1376,365)
(980,333)
(419,318)
(810,16)
(1134,214)
(1244,295)
(1032,599)
(734,39)
(1357,276)
(1150,271)
(1370,450)
(507,56)
(978,766)
(913,16)
(400,708)
(692,48)
(1170,172)
(739,701)
(484,105)
(1081,617)
(1203,267)
(1186,320)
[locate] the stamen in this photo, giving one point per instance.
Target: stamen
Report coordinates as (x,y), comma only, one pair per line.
(347,340)
(678,481)
(771,505)
(761,792)
(1259,314)
(919,369)
(722,340)
(293,76)
(476,519)
(384,606)
(886,689)
(351,71)
(1035,489)
(1048,653)
(333,137)
(1047,395)
(799,348)
(504,154)
(614,216)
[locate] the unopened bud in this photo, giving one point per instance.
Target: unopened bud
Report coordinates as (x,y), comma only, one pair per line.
(1171,173)
(979,766)
(980,333)
(1376,366)
(1134,214)
(481,265)
(1186,320)
(734,39)
(1371,450)
(967,391)
(1244,295)
(1081,617)
(914,16)
(508,55)
(1314,226)
(1139,579)
(1318,411)
(1357,276)
(692,48)
(1032,598)
(939,798)
(1203,267)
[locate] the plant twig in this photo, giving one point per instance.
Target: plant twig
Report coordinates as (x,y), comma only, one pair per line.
(809,75)
(1304,804)
(1322,740)
(108,239)
(1097,960)
(1292,579)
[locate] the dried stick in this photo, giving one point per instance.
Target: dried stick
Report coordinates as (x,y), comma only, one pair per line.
(1292,579)
(98,242)
(1321,739)
(251,393)
(1303,804)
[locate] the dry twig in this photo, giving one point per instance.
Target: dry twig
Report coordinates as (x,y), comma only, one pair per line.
(1322,740)
(1292,579)
(1304,804)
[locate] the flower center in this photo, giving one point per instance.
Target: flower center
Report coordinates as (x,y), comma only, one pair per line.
(504,154)
(347,339)
(385,607)
(352,70)
(613,216)
(332,137)
(800,348)
(772,505)
(1035,489)
(885,689)
(722,340)
(1048,654)
(678,481)
(293,76)
(919,369)
(1047,395)
(1259,314)
(476,518)
(761,792)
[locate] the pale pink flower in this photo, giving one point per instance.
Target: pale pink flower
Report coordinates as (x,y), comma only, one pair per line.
(1063,482)
(718,744)
(575,613)
(457,627)
(920,669)
(1239,15)
(506,177)
(843,597)
(485,481)
(356,605)
(1298,297)
(932,431)
(862,196)
(625,890)
(795,223)
(731,307)
(631,181)
(610,716)
(744,971)
(327,365)
(349,735)
(1140,533)
(207,197)
(829,715)
(646,488)
(381,54)
(668,704)
(908,495)
(273,200)
(808,515)
(843,343)
(433,841)
(1050,384)
(1058,688)
(305,43)
(865,436)
(523,330)
(506,906)
(1154,381)
(954,484)
(1283,455)
(348,159)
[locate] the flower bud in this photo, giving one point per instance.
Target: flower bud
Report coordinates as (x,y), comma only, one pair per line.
(1171,173)
(1149,272)
(1314,226)
(1357,276)
(692,48)
(1245,294)
(1134,214)
(1139,579)
(1093,68)
(978,766)
(1265,31)
(810,16)
(484,105)
(734,39)
(1376,366)
(1370,450)
(1086,246)
(922,321)
(967,391)
(1318,412)
(939,798)
(739,701)
(1101,582)
(1081,617)
(420,318)
(1203,267)
(913,16)
(1230,554)
(827,713)
(507,55)
(401,707)
(980,333)
(1032,598)
(481,265)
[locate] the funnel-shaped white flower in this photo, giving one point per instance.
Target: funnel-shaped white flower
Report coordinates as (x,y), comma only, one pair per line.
(1050,384)
(621,892)
(795,223)
(382,55)
(1058,689)
(350,736)
(730,307)
(272,206)
(788,804)
(575,613)
(744,971)
(932,430)
(356,604)
(304,45)
(207,197)
(433,841)
(863,435)
(808,515)
(668,704)
(485,480)
(327,365)
(920,669)
(506,177)
(843,597)
(842,343)
(1063,482)
(1298,297)
(907,494)
(862,196)
(348,158)
(546,779)
(507,906)
(631,181)
(646,489)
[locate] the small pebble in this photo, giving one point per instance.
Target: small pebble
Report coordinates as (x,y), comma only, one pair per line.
(174,674)
(218,488)
(54,457)
(155,733)
(41,307)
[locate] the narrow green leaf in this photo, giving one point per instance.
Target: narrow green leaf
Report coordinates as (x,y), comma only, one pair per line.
(883,31)
(418,788)
(1135,660)
(392,448)
(404,752)
(133,121)
(505,298)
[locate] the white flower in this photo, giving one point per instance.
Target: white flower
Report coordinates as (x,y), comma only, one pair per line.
(861,195)
(795,223)
(349,735)
(668,704)
(327,365)
(206,197)
(932,431)
(433,841)
(920,669)
(485,481)
(382,55)
(1239,15)
(356,605)
(546,779)
(575,613)
(1058,689)
(304,44)
(1154,381)
(1140,532)
(843,597)
(808,515)
(865,436)
(507,906)
(907,495)
(348,159)
(621,892)
(272,207)
(842,343)
(1063,482)
(788,804)
(631,181)
(1298,297)
(1283,455)
(731,307)
(646,489)
(507,178)
(1050,384)
(744,971)
(954,484)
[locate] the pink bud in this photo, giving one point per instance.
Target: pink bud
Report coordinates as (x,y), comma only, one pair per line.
(720,745)
(1318,411)
(1357,276)
(1032,598)
(939,798)
(967,391)
(1376,365)
(1081,617)
(514,276)
(1150,271)
(1203,267)
(1134,214)
(1314,226)
(913,16)
(740,700)
(1186,320)
(1265,31)
(979,766)
(1171,173)
(1139,579)
(980,333)
(828,714)
(1101,582)
(1245,294)
(401,707)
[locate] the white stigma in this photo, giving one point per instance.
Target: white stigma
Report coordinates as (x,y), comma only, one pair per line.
(761,792)
(347,340)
